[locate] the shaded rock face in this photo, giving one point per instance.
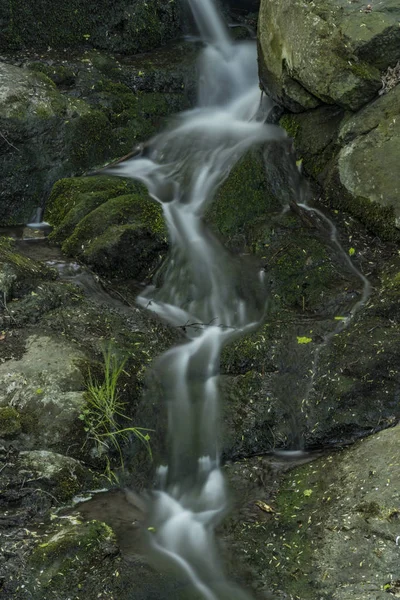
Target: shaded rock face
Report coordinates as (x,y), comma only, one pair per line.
(328,51)
(243,6)
(122,26)
(59,117)
(366,163)
(353,157)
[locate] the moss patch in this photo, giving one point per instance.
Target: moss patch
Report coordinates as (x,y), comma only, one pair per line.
(81,194)
(10,422)
(63,560)
(243,198)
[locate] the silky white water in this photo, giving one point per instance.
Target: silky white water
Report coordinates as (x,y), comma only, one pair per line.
(203,288)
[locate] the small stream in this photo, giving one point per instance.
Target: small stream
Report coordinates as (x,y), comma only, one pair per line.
(202,289)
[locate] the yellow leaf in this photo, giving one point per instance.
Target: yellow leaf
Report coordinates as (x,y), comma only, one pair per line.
(265,507)
(307,493)
(303,340)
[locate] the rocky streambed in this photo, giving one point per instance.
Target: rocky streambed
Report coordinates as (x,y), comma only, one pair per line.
(321,525)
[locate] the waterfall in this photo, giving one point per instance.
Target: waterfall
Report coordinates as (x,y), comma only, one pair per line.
(203,290)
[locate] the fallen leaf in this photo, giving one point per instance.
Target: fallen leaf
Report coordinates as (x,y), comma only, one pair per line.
(263,506)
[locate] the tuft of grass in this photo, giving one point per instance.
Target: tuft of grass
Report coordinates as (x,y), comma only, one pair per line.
(104,410)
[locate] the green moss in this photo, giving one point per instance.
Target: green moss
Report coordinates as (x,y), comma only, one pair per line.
(290,125)
(243,198)
(91,140)
(124,234)
(82,194)
(10,424)
(64,557)
(116,211)
(139,117)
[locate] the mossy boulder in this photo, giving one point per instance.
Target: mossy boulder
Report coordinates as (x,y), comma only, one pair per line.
(120,26)
(367,163)
(326,51)
(115,227)
(46,135)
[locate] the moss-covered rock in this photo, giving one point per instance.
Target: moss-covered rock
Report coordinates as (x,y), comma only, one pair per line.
(326,51)
(353,158)
(115,227)
(120,26)
(61,118)
(368,160)
(46,135)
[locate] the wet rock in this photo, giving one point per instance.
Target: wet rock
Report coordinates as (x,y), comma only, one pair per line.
(36,122)
(326,51)
(63,475)
(296,380)
(45,386)
(367,160)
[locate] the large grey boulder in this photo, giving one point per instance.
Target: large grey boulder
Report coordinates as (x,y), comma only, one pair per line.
(368,161)
(326,51)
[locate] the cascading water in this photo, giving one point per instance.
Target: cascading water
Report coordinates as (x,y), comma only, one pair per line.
(204,290)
